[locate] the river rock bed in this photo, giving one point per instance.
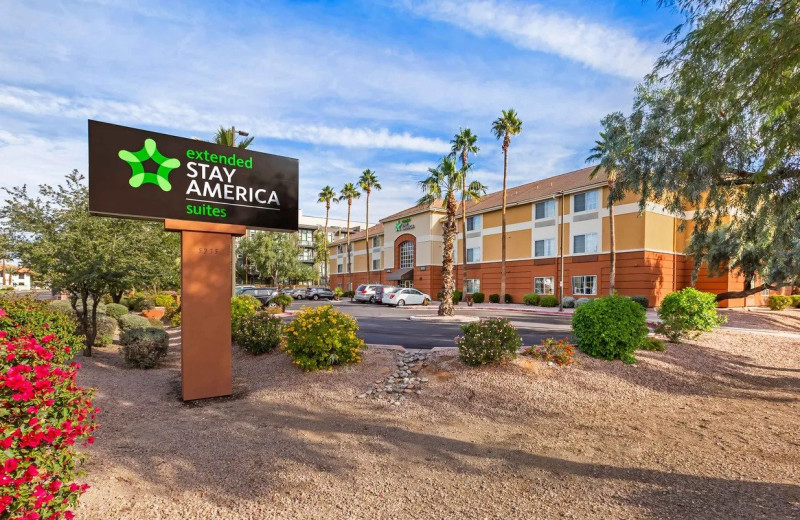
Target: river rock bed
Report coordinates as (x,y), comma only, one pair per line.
(404,382)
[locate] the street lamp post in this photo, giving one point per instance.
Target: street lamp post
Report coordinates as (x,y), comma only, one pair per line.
(234,133)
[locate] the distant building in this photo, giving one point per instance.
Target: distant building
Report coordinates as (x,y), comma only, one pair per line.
(17,278)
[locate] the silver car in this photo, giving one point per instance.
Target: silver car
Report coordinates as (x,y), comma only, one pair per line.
(406,296)
(366,293)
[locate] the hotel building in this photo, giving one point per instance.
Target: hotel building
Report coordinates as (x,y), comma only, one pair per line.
(557,232)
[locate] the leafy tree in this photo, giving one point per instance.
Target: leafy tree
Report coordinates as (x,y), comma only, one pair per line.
(348,193)
(86,256)
(463,144)
(442,183)
(321,254)
(612,151)
(715,129)
(368,182)
(327,195)
(275,256)
(503,128)
(227,137)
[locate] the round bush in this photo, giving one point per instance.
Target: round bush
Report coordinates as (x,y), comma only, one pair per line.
(133,321)
(612,327)
(494,298)
(548,301)
(488,341)
(139,302)
(779,302)
(282,301)
(115,310)
(242,306)
(63,306)
(641,300)
(259,333)
(106,327)
(322,337)
(478,297)
(21,316)
(688,313)
(508,298)
(795,300)
(145,347)
(164,300)
(531,299)
(581,301)
(568,302)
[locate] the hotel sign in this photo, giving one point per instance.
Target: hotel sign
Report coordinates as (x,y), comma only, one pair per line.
(403,225)
(141,174)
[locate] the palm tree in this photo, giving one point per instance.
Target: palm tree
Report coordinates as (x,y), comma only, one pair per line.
(610,151)
(442,183)
(348,193)
(227,137)
(463,144)
(504,127)
(368,182)
(327,195)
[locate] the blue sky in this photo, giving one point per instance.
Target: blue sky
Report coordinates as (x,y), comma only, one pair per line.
(340,85)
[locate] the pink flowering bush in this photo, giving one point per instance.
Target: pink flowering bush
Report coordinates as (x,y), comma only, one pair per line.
(43,413)
(490,340)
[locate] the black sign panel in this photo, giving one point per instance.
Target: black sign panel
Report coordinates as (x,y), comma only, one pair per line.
(141,174)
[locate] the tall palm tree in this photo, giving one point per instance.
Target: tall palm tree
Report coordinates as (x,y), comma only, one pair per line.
(442,183)
(348,193)
(610,150)
(368,182)
(327,195)
(463,144)
(504,127)
(227,137)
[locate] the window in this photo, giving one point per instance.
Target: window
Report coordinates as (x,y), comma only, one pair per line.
(543,285)
(584,284)
(339,268)
(546,247)
(376,264)
(406,254)
(22,276)
(473,285)
(585,201)
(474,223)
(765,292)
(474,254)
(376,241)
(339,249)
(584,243)
(306,236)
(546,209)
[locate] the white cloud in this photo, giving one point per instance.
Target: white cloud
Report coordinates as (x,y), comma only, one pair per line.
(529,26)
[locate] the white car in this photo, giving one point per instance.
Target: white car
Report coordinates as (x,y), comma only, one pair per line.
(406,297)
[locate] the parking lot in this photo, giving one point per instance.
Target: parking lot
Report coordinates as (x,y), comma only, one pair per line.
(383,325)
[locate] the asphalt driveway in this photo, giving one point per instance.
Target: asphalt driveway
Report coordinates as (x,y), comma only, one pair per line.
(382,325)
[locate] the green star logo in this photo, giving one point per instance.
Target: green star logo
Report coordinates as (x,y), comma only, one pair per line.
(139,176)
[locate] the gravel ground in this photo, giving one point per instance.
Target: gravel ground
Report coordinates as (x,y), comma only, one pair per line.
(703,430)
(762,318)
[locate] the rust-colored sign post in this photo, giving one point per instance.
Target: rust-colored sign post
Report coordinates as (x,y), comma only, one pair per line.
(205,307)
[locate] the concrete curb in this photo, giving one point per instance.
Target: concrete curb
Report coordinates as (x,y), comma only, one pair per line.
(445,319)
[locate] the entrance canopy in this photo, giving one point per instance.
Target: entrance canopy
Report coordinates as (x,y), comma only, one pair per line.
(401,274)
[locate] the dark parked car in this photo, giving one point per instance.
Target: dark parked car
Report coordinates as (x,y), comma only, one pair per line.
(262,294)
(316,293)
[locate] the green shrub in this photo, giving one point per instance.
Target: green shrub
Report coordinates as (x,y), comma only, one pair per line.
(568,302)
(457,296)
(124,301)
(242,306)
(581,301)
(338,293)
(653,344)
(611,327)
(133,321)
(282,301)
(494,298)
(322,337)
(115,310)
(145,347)
(349,294)
(164,300)
(478,297)
(173,315)
(101,307)
(560,351)
(259,333)
(155,322)
(548,300)
(644,301)
(63,306)
(687,313)
(508,298)
(21,316)
(779,302)
(531,298)
(139,302)
(488,341)
(795,300)
(106,327)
